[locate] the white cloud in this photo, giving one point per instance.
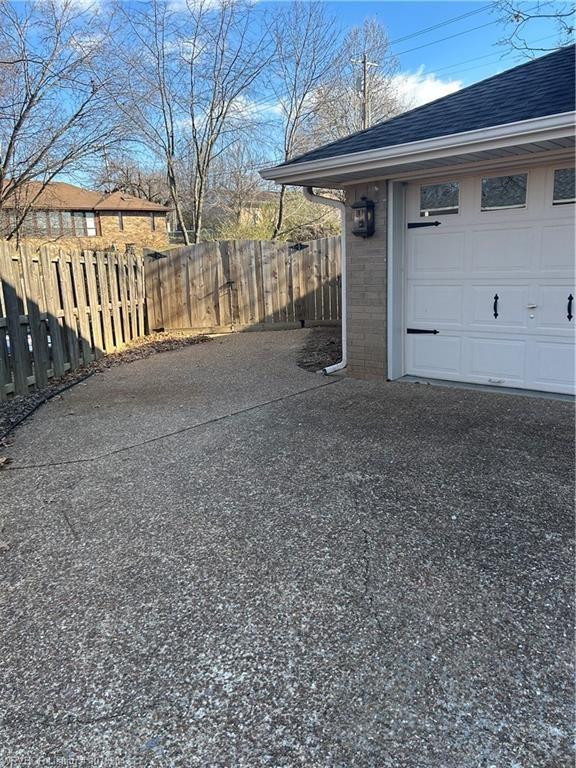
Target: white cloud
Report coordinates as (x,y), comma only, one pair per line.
(416,88)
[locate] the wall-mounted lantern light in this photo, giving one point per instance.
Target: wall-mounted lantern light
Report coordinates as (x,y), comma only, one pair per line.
(363,223)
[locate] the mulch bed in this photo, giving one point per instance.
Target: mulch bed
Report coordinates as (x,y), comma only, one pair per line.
(323,347)
(14,410)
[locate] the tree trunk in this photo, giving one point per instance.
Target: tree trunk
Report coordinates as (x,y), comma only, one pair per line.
(173,185)
(280,215)
(198,207)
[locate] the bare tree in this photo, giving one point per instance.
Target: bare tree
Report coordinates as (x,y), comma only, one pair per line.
(125,174)
(519,19)
(146,84)
(361,91)
(235,184)
(183,84)
(224,53)
(306,40)
(53,113)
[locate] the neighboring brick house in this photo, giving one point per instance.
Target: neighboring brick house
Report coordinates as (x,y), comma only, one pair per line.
(458,233)
(71,216)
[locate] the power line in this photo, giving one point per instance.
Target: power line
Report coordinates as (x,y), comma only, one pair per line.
(442,24)
(457,34)
(448,37)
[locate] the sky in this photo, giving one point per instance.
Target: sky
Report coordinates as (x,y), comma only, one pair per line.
(457,53)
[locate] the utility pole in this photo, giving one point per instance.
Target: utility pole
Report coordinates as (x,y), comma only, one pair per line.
(364,91)
(364,95)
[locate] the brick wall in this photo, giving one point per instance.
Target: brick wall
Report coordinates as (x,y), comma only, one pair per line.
(137,230)
(367,286)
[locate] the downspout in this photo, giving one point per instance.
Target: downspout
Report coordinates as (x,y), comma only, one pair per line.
(309,195)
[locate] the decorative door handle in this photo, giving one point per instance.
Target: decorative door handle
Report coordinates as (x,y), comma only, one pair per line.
(531,306)
(570,300)
(419,224)
(495,305)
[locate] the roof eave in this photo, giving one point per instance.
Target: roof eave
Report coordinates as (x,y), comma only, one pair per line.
(330,170)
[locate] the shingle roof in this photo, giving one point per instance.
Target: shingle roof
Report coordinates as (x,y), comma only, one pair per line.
(121,201)
(59,196)
(537,88)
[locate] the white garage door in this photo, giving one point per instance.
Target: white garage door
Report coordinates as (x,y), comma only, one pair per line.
(490,288)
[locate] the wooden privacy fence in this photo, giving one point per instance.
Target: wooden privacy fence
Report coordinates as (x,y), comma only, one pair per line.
(59,311)
(244,284)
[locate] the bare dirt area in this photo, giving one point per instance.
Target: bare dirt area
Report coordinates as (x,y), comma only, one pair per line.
(14,410)
(323,347)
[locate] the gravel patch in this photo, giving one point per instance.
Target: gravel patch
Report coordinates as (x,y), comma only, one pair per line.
(14,410)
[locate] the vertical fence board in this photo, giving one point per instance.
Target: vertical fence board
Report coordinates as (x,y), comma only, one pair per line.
(70,321)
(105,304)
(19,355)
(130,263)
(82,305)
(95,306)
(53,310)
(34,302)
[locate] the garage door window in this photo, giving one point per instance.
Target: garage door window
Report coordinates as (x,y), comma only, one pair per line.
(502,192)
(564,186)
(439,199)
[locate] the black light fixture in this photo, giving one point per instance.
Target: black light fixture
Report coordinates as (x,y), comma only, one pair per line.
(363,223)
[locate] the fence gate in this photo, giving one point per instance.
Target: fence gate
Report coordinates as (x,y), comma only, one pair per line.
(236,285)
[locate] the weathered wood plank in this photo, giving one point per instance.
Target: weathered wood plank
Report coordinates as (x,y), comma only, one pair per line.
(53,308)
(105,304)
(115,299)
(70,321)
(122,281)
(11,288)
(224,292)
(34,302)
(82,305)
(267,282)
(140,296)
(95,308)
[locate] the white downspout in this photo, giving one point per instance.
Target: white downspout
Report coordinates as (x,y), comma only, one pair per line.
(309,195)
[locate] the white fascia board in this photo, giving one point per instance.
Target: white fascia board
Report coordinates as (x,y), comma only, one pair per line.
(526,131)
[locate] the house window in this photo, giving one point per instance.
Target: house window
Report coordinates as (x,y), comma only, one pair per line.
(153,222)
(41,222)
(564,186)
(67,223)
(54,223)
(440,199)
(120,221)
(79,223)
(502,192)
(90,224)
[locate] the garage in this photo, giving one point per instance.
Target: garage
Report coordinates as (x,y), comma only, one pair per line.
(489,279)
(458,223)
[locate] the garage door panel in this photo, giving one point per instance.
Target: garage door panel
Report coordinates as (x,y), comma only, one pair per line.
(553,365)
(436,253)
(434,355)
(500,361)
(510,306)
(551,312)
(499,251)
(433,303)
(557,253)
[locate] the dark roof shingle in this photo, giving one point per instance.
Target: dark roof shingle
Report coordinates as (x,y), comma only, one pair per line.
(537,88)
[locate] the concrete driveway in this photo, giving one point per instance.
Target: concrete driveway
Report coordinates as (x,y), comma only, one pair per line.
(219,559)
